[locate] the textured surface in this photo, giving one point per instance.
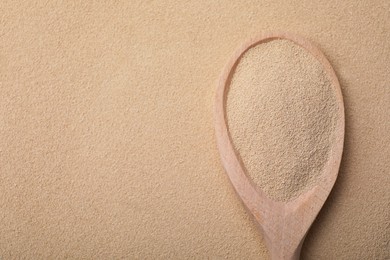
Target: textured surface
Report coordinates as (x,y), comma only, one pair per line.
(107,145)
(281,114)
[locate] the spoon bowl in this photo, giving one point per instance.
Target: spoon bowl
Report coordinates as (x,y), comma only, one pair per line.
(283,225)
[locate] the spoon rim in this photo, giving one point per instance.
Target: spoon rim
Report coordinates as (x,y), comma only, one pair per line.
(224,84)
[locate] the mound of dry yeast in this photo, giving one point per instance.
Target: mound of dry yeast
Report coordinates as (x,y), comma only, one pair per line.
(281,113)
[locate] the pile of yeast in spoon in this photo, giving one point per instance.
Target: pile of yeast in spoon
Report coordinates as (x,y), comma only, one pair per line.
(281,115)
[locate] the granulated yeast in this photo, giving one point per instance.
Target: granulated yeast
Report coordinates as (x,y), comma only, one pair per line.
(281,113)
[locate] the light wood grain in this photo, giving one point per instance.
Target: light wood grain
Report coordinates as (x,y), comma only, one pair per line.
(284,225)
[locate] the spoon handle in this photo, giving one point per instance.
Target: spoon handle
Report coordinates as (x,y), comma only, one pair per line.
(276,254)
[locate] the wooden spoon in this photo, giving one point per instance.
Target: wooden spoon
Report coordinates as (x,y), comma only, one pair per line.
(284,225)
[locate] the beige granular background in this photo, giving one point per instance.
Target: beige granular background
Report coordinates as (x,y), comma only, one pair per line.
(281,111)
(107,146)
